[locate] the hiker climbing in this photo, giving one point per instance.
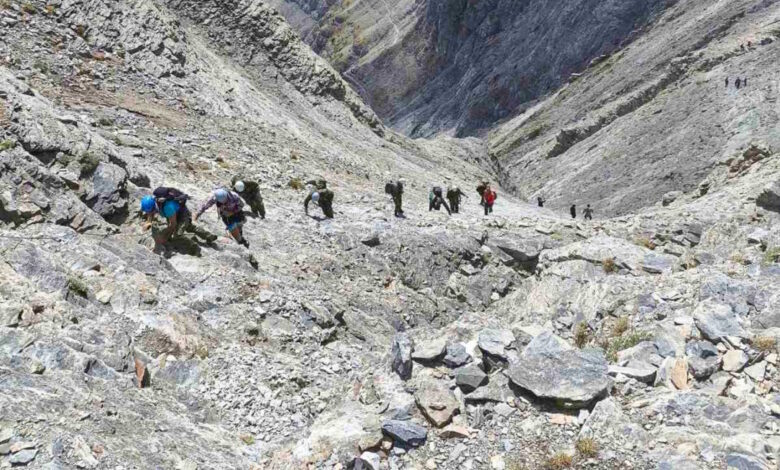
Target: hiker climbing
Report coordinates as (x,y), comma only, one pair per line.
(737,83)
(436,200)
(230,210)
(490,198)
(250,192)
(540,201)
(573,211)
(396,190)
(172,205)
(322,196)
(588,213)
(727,82)
(481,192)
(454,195)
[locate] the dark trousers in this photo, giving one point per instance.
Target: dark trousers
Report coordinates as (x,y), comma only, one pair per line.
(488,208)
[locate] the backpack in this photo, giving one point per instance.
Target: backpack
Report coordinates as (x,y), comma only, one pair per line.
(481,189)
(170,194)
(437,190)
(389,188)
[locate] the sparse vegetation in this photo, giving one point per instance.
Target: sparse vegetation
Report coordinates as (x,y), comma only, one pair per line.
(296,184)
(629,340)
(556,236)
(621,326)
(78,287)
(41,66)
(5,4)
(89,163)
(50,9)
(587,447)
(765,344)
(738,258)
(558,461)
(7,145)
(29,8)
(772,255)
(247,439)
(645,242)
(609,265)
(105,122)
(581,334)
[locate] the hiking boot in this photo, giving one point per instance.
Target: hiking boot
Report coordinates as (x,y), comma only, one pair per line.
(244,242)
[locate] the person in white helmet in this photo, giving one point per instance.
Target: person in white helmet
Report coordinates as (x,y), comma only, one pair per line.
(250,191)
(396,190)
(323,197)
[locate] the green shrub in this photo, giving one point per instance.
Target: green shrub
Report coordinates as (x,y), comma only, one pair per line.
(28,7)
(7,145)
(296,184)
(609,265)
(615,345)
(587,447)
(765,344)
(78,287)
(559,461)
(89,163)
(581,335)
(620,326)
(772,255)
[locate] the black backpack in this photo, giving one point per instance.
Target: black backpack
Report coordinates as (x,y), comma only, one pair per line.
(170,194)
(437,190)
(389,188)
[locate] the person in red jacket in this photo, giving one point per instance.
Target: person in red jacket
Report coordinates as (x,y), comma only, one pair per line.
(490,197)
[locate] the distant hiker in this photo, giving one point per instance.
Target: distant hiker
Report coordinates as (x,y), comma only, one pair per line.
(481,192)
(230,210)
(540,201)
(750,43)
(727,82)
(172,205)
(744,82)
(323,197)
(737,83)
(396,190)
(588,213)
(454,194)
(490,198)
(573,211)
(436,200)
(250,191)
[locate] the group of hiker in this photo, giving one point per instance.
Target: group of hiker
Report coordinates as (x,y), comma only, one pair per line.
(739,82)
(171,205)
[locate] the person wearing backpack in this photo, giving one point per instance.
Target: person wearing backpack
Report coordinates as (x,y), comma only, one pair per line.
(230,210)
(172,205)
(481,192)
(250,192)
(436,200)
(323,197)
(454,195)
(490,198)
(396,190)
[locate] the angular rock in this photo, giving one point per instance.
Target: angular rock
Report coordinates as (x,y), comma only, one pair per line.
(430,352)
(457,355)
(470,377)
(573,378)
(734,360)
(23,457)
(703,359)
(637,370)
(406,433)
(757,371)
(673,373)
(494,342)
(454,431)
(436,402)
(769,198)
(736,461)
(646,351)
(402,356)
(108,196)
(658,264)
(367,461)
(716,321)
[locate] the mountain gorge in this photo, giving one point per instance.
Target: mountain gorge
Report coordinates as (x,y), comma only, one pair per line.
(645,338)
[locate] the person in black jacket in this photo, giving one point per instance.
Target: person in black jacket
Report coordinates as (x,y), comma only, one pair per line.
(436,200)
(573,211)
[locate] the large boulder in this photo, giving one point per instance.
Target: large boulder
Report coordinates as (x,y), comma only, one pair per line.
(703,358)
(573,378)
(402,356)
(436,402)
(769,198)
(469,377)
(108,196)
(716,320)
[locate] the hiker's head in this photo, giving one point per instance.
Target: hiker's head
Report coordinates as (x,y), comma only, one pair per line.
(315,197)
(147,204)
(239,186)
(221,195)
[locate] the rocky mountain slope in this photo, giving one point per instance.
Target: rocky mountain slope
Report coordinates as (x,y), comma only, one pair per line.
(439,65)
(519,340)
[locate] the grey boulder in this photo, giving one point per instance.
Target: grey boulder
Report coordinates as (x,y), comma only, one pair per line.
(470,377)
(457,355)
(406,433)
(572,378)
(402,356)
(716,320)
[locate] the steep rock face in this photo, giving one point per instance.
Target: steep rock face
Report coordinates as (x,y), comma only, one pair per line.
(461,66)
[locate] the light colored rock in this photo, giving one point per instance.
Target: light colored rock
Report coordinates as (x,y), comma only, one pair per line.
(436,402)
(734,360)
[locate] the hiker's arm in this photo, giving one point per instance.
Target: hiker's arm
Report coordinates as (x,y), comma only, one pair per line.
(204,207)
(173,222)
(306,203)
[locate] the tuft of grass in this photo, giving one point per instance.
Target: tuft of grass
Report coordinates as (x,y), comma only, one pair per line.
(587,447)
(247,439)
(29,8)
(738,258)
(78,287)
(771,255)
(7,145)
(50,9)
(559,461)
(645,242)
(581,335)
(621,326)
(41,66)
(5,4)
(626,341)
(296,184)
(556,236)
(105,122)
(765,344)
(89,163)
(609,265)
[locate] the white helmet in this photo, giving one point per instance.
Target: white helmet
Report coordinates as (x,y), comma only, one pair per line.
(239,186)
(315,197)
